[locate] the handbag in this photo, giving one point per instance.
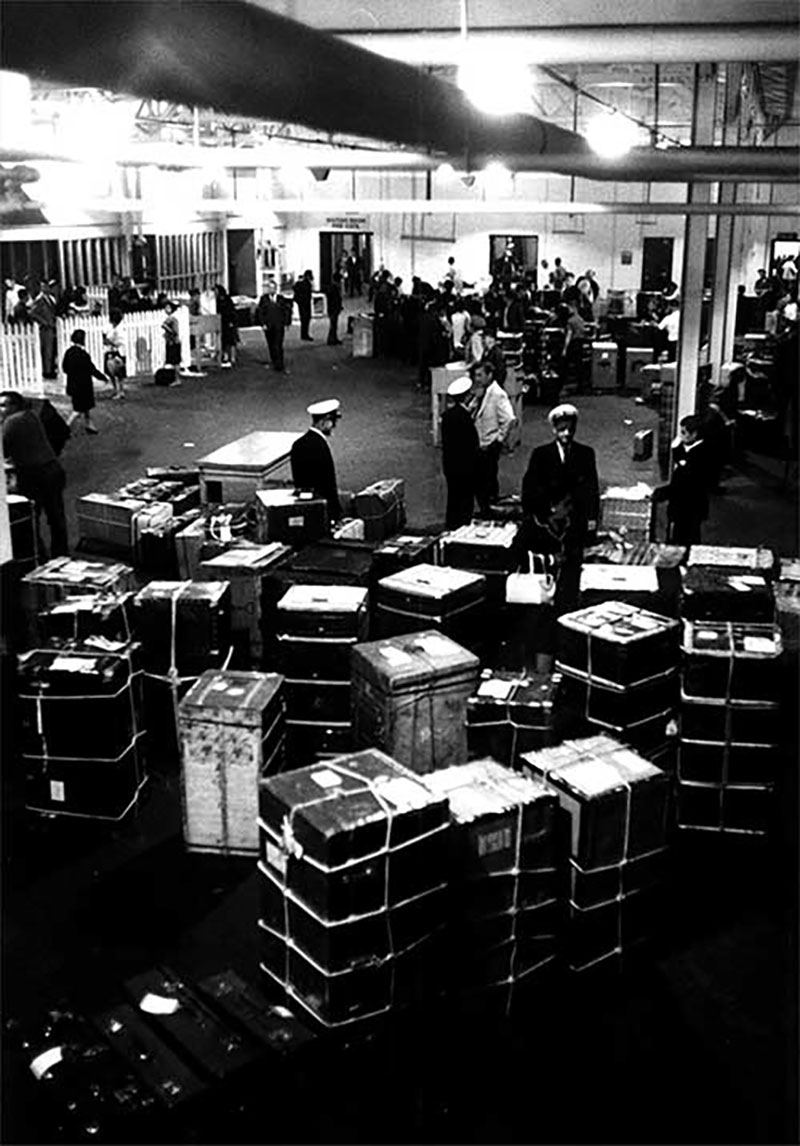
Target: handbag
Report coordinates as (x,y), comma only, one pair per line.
(537,586)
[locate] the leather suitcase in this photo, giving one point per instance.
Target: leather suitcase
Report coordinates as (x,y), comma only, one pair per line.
(324,611)
(737,662)
(183,625)
(711,593)
(65,576)
(292,517)
(400,552)
(617,642)
(308,741)
(511,713)
(245,565)
(381,506)
(244,1007)
(746,810)
(157,555)
(106,615)
(431,596)
(320,702)
(643,586)
(482,546)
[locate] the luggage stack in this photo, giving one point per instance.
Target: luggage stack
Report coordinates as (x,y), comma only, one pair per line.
(409,696)
(113,523)
(381,506)
(353,881)
(104,615)
(291,516)
(81,728)
(232,733)
(245,565)
(722,583)
(317,628)
(217,527)
(627,511)
(66,576)
(618,808)
(402,551)
(729,747)
(184,628)
(645,586)
(432,596)
(620,671)
(485,547)
(506,911)
(511,713)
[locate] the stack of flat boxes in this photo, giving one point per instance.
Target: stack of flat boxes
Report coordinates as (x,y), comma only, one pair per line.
(244,565)
(82,734)
(617,808)
(410,698)
(318,627)
(620,670)
(65,576)
(232,735)
(353,876)
(511,713)
(432,596)
(729,726)
(381,506)
(506,913)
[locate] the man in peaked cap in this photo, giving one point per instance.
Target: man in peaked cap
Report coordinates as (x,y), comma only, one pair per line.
(460,449)
(311,457)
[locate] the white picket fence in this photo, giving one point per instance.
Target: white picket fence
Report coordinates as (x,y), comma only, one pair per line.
(21,360)
(143,339)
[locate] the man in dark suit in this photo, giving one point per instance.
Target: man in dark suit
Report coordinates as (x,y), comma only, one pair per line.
(311,457)
(303,290)
(687,492)
(460,450)
(561,501)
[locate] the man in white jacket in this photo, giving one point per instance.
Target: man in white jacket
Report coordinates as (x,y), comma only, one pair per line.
(494,417)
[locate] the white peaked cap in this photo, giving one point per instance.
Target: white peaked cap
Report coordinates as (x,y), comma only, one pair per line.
(320,409)
(459,386)
(565,410)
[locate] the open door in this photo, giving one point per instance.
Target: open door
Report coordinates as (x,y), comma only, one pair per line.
(656,263)
(242,264)
(336,248)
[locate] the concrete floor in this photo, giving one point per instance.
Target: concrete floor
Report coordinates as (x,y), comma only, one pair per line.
(699,1045)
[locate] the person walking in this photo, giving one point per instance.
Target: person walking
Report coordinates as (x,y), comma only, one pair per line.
(303,290)
(460,450)
(333,296)
(37,472)
(80,371)
(494,416)
(311,457)
(114,361)
(271,317)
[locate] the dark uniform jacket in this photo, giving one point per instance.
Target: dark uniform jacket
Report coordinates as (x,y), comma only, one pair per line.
(460,445)
(302,295)
(550,483)
(313,468)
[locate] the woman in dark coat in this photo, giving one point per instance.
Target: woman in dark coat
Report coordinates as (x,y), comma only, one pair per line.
(80,371)
(229,330)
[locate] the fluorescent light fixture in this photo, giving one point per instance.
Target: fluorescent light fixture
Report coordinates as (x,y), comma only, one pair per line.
(445,171)
(611,135)
(496,179)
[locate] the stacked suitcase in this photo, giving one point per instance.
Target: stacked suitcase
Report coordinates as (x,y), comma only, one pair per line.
(617,806)
(106,615)
(381,506)
(410,698)
(294,517)
(722,583)
(787,604)
(114,523)
(232,733)
(620,670)
(729,726)
(81,728)
(485,547)
(157,553)
(402,551)
(505,907)
(353,881)
(511,713)
(244,565)
(627,510)
(217,527)
(432,596)
(64,576)
(318,626)
(642,585)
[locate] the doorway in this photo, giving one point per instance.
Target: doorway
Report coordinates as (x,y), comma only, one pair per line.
(334,249)
(242,264)
(657,263)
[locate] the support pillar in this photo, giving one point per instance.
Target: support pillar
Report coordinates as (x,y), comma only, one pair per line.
(723,315)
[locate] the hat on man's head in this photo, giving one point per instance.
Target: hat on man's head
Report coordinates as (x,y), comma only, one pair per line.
(459,386)
(330,407)
(565,411)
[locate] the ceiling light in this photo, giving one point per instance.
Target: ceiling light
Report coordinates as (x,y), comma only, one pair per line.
(496,179)
(445,171)
(611,135)
(494,83)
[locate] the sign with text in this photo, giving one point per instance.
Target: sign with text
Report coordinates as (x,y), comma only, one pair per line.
(347,222)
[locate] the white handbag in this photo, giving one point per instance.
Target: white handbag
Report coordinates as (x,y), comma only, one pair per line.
(537,586)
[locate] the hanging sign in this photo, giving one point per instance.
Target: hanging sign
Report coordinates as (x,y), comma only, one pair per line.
(347,222)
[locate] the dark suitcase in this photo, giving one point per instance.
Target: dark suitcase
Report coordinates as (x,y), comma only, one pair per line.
(726,809)
(330,563)
(315,658)
(511,713)
(157,555)
(644,586)
(244,1007)
(710,593)
(724,762)
(106,615)
(324,611)
(618,643)
(307,742)
(642,445)
(294,517)
(187,475)
(426,596)
(183,626)
(381,506)
(400,552)
(739,662)
(165,376)
(482,546)
(245,566)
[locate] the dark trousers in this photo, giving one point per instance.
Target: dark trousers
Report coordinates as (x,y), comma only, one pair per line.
(44,485)
(333,329)
(274,336)
(486,481)
(305,321)
(460,501)
(47,346)
(683,529)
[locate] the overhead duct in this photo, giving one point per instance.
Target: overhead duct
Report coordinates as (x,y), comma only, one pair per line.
(237,57)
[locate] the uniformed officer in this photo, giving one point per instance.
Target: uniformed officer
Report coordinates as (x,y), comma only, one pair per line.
(311,458)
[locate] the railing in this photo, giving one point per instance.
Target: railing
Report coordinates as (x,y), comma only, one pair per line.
(21,360)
